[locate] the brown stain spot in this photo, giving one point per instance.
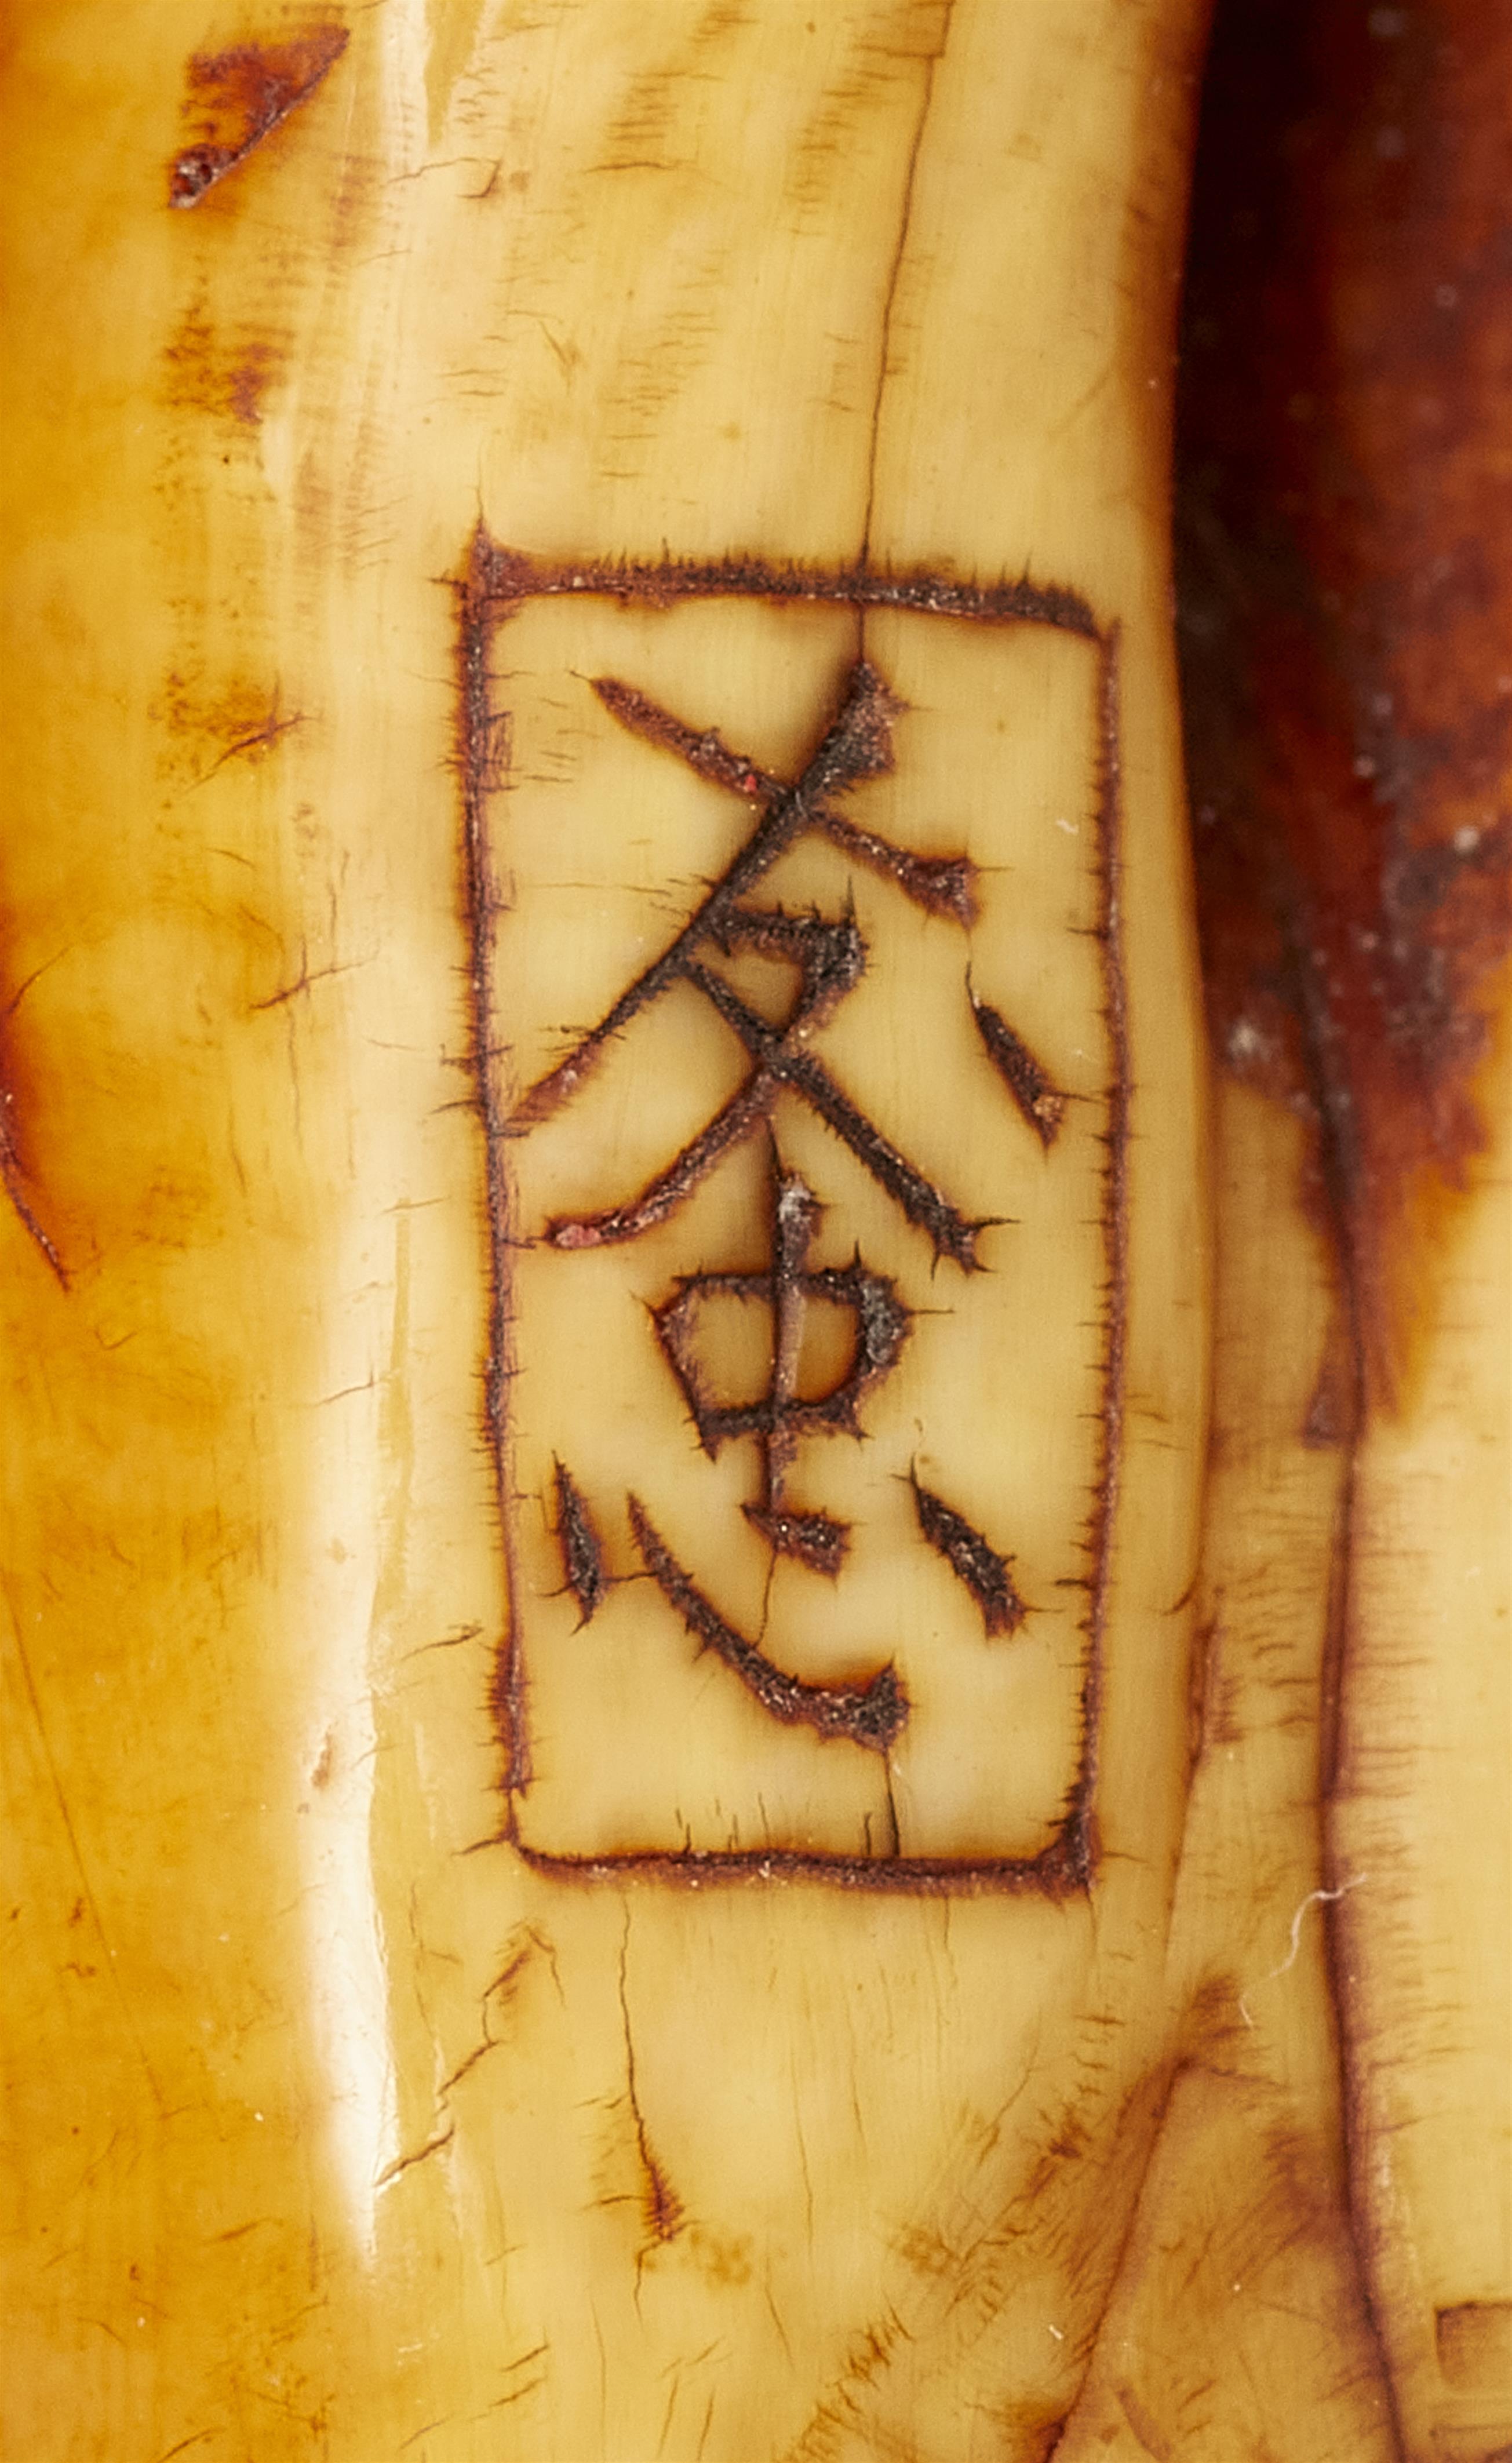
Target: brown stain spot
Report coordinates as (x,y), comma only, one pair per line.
(647,130)
(1212,2031)
(528,1948)
(925,2247)
(237,97)
(1474,2341)
(248,372)
(1145,2427)
(452,27)
(206,373)
(526,1945)
(661,2211)
(1203,1668)
(724,2258)
(1342,496)
(1332,1409)
(880,71)
(661,2207)
(205,728)
(1241,2226)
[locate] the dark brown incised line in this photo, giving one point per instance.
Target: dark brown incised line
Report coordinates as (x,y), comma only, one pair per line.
(795,1216)
(1027,1082)
(972,1558)
(1048,1875)
(660,1197)
(1079,1844)
(818,1540)
(882,1322)
(581,1551)
(479,747)
(872,1714)
(503,578)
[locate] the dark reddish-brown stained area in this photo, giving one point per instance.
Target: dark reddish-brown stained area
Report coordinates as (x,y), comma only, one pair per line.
(239,98)
(1343,525)
(1344,580)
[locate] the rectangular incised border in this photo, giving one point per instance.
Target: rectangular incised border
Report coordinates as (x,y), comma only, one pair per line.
(495,584)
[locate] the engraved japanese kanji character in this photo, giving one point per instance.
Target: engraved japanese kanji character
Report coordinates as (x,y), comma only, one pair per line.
(828,955)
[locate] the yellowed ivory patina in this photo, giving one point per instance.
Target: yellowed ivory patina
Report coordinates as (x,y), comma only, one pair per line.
(460,2009)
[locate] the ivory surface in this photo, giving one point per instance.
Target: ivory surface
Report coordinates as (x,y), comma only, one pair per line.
(458,2007)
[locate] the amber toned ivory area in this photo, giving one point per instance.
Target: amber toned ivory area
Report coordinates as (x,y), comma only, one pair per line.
(471,467)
